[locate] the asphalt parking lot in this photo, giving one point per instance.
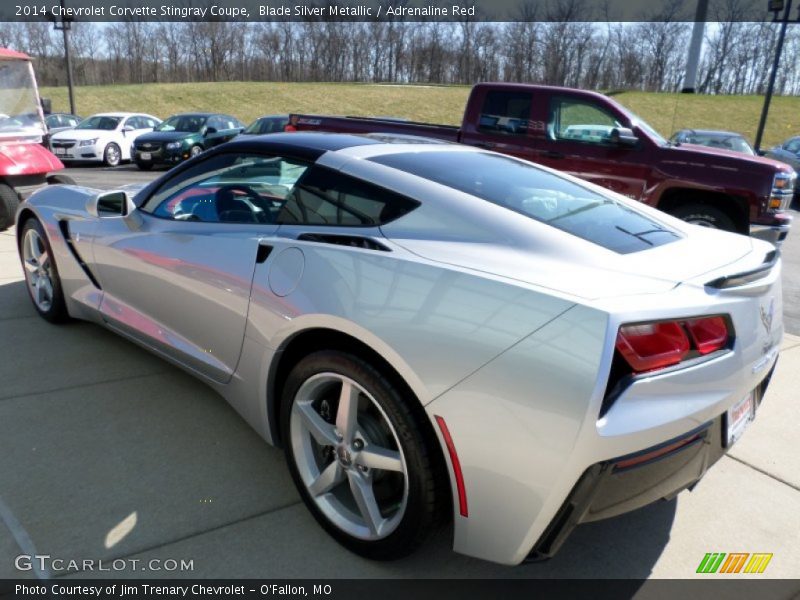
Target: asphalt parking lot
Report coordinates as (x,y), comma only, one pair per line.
(107,452)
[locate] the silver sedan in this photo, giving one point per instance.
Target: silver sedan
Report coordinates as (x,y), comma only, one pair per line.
(432,332)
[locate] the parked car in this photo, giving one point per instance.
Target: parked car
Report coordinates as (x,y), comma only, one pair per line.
(726,140)
(104,137)
(592,136)
(267,124)
(61,122)
(184,136)
(787,152)
(403,319)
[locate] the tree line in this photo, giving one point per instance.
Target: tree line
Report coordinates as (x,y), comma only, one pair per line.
(562,50)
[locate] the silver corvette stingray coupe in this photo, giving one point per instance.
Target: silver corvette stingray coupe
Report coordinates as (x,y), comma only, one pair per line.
(432,332)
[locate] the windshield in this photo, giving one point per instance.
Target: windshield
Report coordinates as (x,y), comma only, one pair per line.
(637,121)
(726,142)
(20,113)
(100,122)
(187,123)
(266,125)
(541,196)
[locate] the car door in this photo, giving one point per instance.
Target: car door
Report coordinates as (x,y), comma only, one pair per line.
(232,128)
(578,141)
(176,273)
(508,123)
(215,132)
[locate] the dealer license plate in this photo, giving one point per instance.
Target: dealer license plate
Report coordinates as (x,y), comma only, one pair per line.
(145,155)
(739,417)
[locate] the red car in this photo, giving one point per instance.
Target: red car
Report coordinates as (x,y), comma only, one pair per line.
(593,137)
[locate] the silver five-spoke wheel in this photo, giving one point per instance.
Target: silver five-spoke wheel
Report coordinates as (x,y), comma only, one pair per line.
(38,270)
(348,456)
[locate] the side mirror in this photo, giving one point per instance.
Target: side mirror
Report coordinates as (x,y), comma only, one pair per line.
(210,130)
(110,204)
(126,130)
(622,136)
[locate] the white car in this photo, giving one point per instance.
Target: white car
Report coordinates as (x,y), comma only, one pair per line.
(104,137)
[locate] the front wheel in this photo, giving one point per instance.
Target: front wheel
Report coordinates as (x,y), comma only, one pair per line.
(705,215)
(112,155)
(359,456)
(9,200)
(41,273)
(195,151)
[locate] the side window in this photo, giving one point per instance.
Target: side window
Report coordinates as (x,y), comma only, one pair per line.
(228,188)
(505,112)
(71,121)
(216,123)
(150,123)
(580,121)
(230,123)
(793,146)
(53,121)
(327,197)
(133,122)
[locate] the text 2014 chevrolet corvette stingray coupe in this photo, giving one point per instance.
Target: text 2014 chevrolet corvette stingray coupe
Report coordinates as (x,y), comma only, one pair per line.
(431,331)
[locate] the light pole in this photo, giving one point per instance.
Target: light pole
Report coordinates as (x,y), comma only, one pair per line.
(695,46)
(64,24)
(775,6)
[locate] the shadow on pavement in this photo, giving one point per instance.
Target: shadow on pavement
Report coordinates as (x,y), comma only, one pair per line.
(109,452)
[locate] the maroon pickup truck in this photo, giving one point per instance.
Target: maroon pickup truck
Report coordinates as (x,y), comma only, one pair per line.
(594,137)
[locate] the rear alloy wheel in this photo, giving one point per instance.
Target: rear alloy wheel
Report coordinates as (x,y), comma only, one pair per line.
(9,200)
(112,155)
(41,274)
(358,456)
(705,215)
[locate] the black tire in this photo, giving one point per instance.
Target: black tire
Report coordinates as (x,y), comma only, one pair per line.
(9,200)
(195,150)
(427,500)
(705,215)
(112,155)
(57,312)
(144,166)
(60,180)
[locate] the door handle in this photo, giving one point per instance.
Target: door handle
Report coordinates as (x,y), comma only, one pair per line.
(552,154)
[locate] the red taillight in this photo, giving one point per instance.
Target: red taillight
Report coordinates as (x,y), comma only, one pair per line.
(709,334)
(653,345)
(650,346)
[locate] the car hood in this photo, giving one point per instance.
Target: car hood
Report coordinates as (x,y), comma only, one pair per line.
(82,134)
(587,271)
(723,157)
(166,136)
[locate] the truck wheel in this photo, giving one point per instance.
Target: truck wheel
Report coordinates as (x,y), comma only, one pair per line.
(358,455)
(9,200)
(705,215)
(112,155)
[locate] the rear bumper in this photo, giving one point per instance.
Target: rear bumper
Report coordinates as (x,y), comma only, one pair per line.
(626,483)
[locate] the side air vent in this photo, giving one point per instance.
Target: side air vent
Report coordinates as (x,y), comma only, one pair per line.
(64,227)
(263,253)
(354,241)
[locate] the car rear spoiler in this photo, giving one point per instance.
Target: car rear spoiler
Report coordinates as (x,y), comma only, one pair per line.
(746,277)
